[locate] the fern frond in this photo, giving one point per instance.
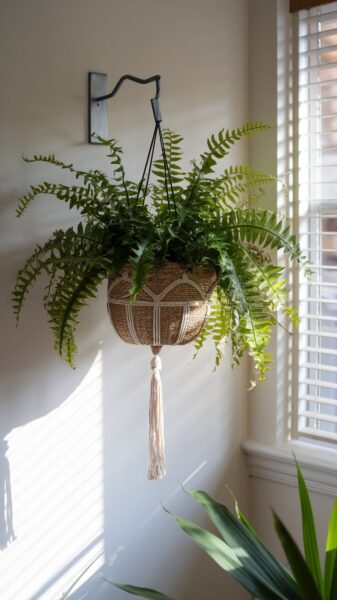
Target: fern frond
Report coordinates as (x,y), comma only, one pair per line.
(141,261)
(252,308)
(79,266)
(220,323)
(125,188)
(88,200)
(217,326)
(65,252)
(70,295)
(269,281)
(264,228)
(236,181)
(219,145)
(36,264)
(95,176)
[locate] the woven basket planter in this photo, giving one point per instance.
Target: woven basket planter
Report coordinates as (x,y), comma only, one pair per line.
(171,309)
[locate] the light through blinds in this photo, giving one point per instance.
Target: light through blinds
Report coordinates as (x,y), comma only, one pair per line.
(317,221)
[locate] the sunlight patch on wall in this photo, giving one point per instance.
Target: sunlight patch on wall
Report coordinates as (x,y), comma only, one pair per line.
(56,466)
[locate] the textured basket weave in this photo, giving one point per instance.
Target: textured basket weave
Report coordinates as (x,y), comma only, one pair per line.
(171,309)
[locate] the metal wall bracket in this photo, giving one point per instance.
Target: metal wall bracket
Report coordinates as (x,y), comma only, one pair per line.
(98,117)
(98,113)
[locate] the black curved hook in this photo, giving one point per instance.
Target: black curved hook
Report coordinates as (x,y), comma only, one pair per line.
(155,78)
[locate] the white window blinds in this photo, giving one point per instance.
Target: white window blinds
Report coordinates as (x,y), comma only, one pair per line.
(316,76)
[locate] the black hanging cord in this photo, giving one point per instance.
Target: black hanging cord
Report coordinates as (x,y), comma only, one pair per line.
(168,178)
(149,160)
(150,163)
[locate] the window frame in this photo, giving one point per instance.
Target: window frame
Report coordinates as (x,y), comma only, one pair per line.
(303,427)
(270,438)
(297,5)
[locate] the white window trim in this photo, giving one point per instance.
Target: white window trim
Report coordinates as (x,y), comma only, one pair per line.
(271,455)
(276,463)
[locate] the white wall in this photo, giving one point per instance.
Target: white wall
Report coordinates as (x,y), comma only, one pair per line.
(75,441)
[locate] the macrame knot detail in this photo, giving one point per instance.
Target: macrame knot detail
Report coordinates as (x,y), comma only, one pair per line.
(155,364)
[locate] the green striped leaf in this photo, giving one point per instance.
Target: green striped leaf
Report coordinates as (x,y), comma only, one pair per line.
(299,567)
(330,571)
(141,591)
(229,561)
(253,555)
(309,531)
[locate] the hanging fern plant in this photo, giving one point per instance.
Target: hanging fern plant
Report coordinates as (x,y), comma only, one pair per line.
(213,222)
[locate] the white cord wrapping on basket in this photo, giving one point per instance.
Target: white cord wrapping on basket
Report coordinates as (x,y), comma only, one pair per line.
(156,302)
(157,468)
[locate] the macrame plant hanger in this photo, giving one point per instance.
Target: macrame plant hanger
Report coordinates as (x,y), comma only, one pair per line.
(172,306)
(156,468)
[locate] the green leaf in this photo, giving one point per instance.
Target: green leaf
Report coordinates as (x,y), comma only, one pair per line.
(330,571)
(299,567)
(229,561)
(219,146)
(141,591)
(142,260)
(309,531)
(254,556)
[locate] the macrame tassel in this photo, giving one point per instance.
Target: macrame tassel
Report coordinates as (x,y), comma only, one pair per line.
(156,468)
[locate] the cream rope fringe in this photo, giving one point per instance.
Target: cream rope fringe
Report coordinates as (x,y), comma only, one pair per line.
(157,468)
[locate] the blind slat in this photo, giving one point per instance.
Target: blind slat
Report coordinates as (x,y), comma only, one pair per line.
(320,384)
(320,350)
(318,334)
(322,284)
(320,367)
(318,433)
(318,300)
(318,400)
(316,84)
(318,35)
(318,51)
(324,267)
(319,68)
(320,133)
(303,103)
(318,416)
(322,318)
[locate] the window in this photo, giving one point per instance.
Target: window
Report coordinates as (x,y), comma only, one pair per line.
(315,143)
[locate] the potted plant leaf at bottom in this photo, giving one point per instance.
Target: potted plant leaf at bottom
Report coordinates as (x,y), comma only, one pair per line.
(238,550)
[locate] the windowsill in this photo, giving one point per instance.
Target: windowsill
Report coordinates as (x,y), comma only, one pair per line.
(276,463)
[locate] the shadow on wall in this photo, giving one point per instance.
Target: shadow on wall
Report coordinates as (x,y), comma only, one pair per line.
(51,473)
(6,507)
(40,399)
(51,461)
(34,384)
